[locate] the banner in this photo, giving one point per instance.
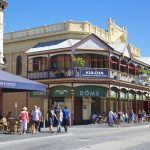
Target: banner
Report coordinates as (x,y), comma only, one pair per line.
(91,73)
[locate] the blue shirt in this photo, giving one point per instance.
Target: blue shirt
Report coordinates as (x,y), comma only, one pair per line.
(65,113)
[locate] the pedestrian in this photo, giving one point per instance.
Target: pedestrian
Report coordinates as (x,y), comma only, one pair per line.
(140,117)
(41,120)
(126,117)
(24,120)
(50,118)
(111,118)
(120,118)
(58,116)
(131,115)
(143,116)
(66,116)
(36,116)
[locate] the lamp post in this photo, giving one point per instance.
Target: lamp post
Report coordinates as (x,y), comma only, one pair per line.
(72,107)
(148,97)
(3,5)
(119,100)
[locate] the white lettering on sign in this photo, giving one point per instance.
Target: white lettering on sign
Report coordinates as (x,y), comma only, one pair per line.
(61,92)
(95,72)
(89,93)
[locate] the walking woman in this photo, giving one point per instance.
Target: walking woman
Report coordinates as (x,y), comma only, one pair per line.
(24,120)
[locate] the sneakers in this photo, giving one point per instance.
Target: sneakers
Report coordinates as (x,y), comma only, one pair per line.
(59,130)
(51,131)
(65,129)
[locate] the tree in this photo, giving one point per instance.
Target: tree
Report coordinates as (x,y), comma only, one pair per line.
(77,61)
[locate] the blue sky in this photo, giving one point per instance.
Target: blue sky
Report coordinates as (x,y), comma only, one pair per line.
(133,14)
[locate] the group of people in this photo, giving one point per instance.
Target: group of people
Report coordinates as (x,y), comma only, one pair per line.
(61,116)
(98,118)
(125,117)
(35,118)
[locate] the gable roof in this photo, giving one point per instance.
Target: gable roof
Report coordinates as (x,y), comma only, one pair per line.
(99,43)
(122,48)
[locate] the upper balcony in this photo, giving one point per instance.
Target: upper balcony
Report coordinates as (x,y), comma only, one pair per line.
(92,73)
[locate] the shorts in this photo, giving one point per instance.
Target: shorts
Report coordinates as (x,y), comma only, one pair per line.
(36,123)
(51,121)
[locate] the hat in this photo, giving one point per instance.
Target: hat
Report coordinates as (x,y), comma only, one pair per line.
(24,108)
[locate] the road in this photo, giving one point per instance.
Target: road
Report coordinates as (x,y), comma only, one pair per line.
(90,137)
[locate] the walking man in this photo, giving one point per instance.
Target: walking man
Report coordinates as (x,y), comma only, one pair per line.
(66,115)
(50,118)
(58,115)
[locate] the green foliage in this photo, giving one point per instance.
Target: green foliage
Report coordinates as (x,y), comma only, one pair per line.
(144,71)
(77,61)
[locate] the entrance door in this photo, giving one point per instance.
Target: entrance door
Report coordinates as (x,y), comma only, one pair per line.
(77,110)
(145,106)
(95,105)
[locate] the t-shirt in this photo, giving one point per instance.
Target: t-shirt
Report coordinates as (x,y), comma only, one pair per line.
(24,115)
(65,113)
(50,113)
(57,112)
(36,114)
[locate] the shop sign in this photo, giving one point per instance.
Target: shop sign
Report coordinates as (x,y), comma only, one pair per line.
(92,91)
(39,94)
(60,91)
(93,73)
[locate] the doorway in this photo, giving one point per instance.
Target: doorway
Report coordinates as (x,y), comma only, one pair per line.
(77,110)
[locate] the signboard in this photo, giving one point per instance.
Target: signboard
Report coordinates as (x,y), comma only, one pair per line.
(39,94)
(92,91)
(91,73)
(60,91)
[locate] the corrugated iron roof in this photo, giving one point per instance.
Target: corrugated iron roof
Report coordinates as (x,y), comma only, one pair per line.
(50,45)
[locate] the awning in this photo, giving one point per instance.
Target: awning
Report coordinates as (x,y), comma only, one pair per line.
(10,82)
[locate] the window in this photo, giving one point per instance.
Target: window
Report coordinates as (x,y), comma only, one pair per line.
(4,60)
(19,65)
(36,64)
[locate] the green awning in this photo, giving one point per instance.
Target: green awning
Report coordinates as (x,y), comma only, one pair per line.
(138,96)
(114,92)
(144,97)
(60,91)
(132,94)
(123,94)
(90,90)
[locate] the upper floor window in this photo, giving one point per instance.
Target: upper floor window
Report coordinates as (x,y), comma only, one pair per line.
(19,65)
(4,60)
(37,64)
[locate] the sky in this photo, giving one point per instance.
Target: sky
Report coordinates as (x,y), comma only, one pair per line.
(133,14)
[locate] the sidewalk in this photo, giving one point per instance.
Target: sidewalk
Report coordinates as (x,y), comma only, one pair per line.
(105,125)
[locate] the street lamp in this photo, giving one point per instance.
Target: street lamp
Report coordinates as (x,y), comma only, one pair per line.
(72,107)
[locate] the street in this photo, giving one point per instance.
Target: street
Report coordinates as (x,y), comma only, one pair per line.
(89,137)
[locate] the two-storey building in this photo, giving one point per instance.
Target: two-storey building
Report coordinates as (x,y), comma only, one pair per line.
(114,76)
